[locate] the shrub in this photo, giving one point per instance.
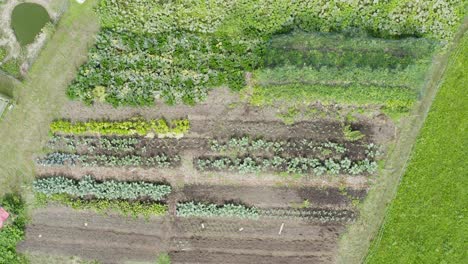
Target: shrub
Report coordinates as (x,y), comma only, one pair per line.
(12,232)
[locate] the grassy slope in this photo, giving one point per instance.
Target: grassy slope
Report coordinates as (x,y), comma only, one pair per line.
(40,97)
(427,222)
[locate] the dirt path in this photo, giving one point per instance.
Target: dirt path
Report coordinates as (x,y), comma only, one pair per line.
(116,239)
(25,129)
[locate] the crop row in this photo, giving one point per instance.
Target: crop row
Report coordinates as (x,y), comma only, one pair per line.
(196,209)
(192,209)
(298,165)
(70,159)
(410,78)
(332,50)
(89,187)
(319,215)
(432,18)
(134,126)
(123,207)
(399,100)
(249,145)
(125,68)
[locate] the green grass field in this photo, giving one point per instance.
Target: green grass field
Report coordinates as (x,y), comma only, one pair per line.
(427,221)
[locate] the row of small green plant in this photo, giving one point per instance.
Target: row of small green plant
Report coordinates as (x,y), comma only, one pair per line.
(193,209)
(13,230)
(311,214)
(245,144)
(295,165)
(123,207)
(70,159)
(197,209)
(133,126)
(88,187)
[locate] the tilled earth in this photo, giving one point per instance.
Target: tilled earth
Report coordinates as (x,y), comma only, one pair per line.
(63,231)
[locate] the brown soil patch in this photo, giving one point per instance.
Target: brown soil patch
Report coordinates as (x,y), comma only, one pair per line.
(272,197)
(116,239)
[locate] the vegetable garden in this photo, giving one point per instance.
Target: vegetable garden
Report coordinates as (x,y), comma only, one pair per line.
(313,95)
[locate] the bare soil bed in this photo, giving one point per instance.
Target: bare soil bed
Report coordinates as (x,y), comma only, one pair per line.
(63,231)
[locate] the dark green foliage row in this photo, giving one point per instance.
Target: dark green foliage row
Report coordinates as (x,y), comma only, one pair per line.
(337,50)
(69,159)
(13,232)
(111,189)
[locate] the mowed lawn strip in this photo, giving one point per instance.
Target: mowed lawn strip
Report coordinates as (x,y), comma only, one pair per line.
(427,222)
(25,129)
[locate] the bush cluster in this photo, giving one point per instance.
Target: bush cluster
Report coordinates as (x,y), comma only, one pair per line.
(192,209)
(298,165)
(134,126)
(13,232)
(101,190)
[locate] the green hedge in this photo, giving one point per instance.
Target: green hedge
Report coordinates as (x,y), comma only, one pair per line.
(102,190)
(137,126)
